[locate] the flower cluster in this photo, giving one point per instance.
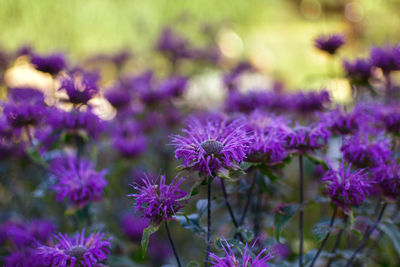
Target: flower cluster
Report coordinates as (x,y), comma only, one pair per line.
(329,43)
(302,139)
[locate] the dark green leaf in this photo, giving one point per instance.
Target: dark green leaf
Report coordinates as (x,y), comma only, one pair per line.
(317,160)
(201,206)
(233,243)
(224,174)
(268,172)
(321,229)
(147,232)
(393,233)
(247,234)
(193,264)
(191,222)
(282,217)
(194,190)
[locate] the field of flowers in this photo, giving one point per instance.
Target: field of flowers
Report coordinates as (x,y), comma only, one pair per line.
(114,165)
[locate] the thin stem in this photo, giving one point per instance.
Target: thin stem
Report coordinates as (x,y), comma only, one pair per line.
(249,195)
(257,212)
(206,262)
(28,134)
(228,205)
(337,243)
(172,244)
(326,237)
(366,236)
(301,215)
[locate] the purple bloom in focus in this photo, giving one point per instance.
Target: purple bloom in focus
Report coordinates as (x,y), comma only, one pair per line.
(247,259)
(386,58)
(341,122)
(358,71)
(77,251)
(347,188)
(157,200)
(129,139)
(306,138)
(51,64)
(363,153)
(25,107)
(77,180)
(80,86)
(211,145)
(133,226)
(329,43)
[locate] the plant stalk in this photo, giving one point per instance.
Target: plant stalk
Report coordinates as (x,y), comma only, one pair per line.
(301,214)
(206,262)
(172,244)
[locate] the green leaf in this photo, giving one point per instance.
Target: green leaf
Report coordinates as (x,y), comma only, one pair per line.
(233,243)
(191,222)
(193,264)
(321,229)
(34,155)
(282,217)
(317,160)
(268,172)
(224,174)
(201,206)
(247,234)
(147,232)
(393,233)
(194,190)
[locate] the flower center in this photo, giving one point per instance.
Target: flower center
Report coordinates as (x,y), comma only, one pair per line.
(77,252)
(212,147)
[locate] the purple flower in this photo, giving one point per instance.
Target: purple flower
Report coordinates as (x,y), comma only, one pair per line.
(347,188)
(302,139)
(133,226)
(129,139)
(25,107)
(247,259)
(21,258)
(308,102)
(386,58)
(173,86)
(388,177)
(174,46)
(211,145)
(363,153)
(329,43)
(358,71)
(157,200)
(77,180)
(80,86)
(52,64)
(390,117)
(118,96)
(341,122)
(78,251)
(230,79)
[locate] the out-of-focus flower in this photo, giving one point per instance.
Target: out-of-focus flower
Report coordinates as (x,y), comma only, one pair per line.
(246,260)
(363,153)
(78,250)
(133,225)
(329,43)
(157,200)
(388,177)
(281,250)
(390,116)
(307,102)
(77,180)
(129,139)
(21,258)
(211,145)
(174,46)
(230,79)
(302,139)
(25,107)
(52,64)
(347,188)
(159,250)
(358,71)
(173,86)
(341,122)
(80,86)
(118,96)
(386,58)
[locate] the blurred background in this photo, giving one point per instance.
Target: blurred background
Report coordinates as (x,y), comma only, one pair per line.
(275,35)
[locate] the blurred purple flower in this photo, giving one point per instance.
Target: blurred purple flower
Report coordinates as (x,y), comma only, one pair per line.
(173,86)
(80,86)
(307,102)
(390,116)
(211,145)
(347,188)
(157,200)
(358,71)
(388,177)
(341,122)
(230,79)
(386,58)
(247,258)
(330,43)
(78,251)
(174,46)
(118,96)
(303,139)
(133,225)
(129,139)
(52,64)
(77,180)
(363,153)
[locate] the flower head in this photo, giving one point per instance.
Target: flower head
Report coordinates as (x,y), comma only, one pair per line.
(247,259)
(305,138)
(388,177)
(80,86)
(77,251)
(211,145)
(347,188)
(363,153)
(329,43)
(118,96)
(341,122)
(358,71)
(157,200)
(77,180)
(129,139)
(390,116)
(52,64)
(307,102)
(386,58)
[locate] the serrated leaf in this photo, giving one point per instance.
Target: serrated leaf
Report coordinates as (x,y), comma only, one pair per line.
(317,160)
(147,232)
(321,229)
(393,233)
(201,206)
(281,218)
